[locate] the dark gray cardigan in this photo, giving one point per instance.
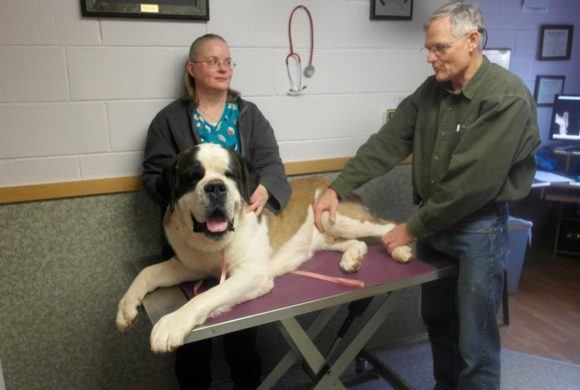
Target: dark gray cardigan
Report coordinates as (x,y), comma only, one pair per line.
(171,132)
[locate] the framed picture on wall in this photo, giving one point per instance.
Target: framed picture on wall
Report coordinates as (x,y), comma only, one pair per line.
(555,42)
(158,9)
(547,87)
(392,9)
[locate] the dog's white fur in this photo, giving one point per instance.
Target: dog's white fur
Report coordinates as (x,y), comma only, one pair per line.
(252,255)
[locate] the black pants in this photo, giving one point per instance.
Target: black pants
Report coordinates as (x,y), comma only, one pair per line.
(192,361)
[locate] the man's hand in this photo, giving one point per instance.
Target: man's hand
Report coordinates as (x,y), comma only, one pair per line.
(400,235)
(327,202)
(258,200)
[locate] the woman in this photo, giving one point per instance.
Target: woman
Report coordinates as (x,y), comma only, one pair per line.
(210,111)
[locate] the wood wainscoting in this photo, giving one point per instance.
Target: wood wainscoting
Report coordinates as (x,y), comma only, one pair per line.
(77,188)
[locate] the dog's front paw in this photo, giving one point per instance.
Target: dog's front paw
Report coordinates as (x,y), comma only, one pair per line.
(169,332)
(126,313)
(402,254)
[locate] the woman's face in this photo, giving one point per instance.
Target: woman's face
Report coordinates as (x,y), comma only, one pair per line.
(211,67)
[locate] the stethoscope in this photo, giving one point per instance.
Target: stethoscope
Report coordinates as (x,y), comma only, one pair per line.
(296,86)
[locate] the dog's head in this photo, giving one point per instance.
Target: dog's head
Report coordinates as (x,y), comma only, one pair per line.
(210,186)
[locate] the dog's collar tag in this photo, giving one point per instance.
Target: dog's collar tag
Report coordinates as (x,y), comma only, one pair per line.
(224,267)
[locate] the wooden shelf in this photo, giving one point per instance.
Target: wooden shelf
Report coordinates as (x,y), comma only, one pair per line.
(561,197)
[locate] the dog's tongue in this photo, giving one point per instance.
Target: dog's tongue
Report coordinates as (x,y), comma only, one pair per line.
(217,224)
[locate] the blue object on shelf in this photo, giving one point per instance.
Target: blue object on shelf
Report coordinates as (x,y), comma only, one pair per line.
(545,160)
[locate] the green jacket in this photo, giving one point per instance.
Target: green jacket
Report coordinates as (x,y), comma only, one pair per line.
(470,148)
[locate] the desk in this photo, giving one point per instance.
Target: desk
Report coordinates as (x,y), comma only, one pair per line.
(294,295)
(563,193)
(568,156)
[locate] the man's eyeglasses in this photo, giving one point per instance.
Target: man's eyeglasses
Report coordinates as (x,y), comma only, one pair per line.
(440,49)
(213,63)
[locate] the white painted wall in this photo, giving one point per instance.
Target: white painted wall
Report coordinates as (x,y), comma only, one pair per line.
(77,94)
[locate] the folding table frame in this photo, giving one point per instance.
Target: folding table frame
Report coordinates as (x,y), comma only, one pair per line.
(325,374)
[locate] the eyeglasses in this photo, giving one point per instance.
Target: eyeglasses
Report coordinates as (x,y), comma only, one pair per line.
(213,63)
(440,49)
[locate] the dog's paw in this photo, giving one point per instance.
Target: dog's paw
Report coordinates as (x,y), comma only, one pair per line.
(350,264)
(402,254)
(352,258)
(126,314)
(169,332)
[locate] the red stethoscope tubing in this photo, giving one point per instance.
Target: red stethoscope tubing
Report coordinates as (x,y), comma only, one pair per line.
(292,52)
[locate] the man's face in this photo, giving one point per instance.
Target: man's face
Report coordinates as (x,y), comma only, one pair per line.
(449,55)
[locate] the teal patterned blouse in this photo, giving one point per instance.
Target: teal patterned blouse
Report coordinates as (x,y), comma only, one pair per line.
(225,132)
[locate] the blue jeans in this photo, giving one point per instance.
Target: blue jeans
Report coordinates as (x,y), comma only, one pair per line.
(460,312)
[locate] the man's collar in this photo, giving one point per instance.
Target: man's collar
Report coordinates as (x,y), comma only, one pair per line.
(472,85)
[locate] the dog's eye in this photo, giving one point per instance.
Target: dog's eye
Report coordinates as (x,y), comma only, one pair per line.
(196,177)
(189,182)
(231,175)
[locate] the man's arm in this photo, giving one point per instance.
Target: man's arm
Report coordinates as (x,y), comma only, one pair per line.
(382,151)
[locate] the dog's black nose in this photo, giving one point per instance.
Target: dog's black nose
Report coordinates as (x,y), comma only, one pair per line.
(215,190)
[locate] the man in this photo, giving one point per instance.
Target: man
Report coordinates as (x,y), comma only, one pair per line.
(472,130)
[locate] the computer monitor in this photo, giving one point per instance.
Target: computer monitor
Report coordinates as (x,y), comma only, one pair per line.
(565,124)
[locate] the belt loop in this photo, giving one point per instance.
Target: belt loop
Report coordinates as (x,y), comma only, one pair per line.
(417,201)
(503,211)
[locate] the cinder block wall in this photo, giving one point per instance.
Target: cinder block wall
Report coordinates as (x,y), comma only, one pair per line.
(78,93)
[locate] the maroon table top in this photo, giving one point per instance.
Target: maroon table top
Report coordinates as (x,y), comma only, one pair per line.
(290,289)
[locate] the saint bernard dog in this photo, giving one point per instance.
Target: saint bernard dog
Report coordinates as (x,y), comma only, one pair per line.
(206,221)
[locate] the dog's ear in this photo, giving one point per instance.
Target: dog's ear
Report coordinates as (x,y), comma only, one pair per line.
(249,178)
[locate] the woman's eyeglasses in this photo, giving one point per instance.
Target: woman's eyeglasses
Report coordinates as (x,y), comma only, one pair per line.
(213,63)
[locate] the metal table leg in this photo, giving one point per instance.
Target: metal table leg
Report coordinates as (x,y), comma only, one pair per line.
(288,360)
(330,378)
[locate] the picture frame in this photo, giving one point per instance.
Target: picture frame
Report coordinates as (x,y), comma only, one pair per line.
(555,42)
(499,56)
(390,113)
(391,9)
(159,9)
(547,87)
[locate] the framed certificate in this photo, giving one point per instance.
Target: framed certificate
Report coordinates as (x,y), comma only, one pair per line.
(555,42)
(547,87)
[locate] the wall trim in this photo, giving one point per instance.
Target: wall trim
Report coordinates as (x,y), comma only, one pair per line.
(114,185)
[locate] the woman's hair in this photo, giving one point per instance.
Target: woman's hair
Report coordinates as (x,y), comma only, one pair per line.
(464,17)
(188,81)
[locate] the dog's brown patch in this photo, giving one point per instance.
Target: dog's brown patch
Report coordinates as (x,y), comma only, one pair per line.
(285,224)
